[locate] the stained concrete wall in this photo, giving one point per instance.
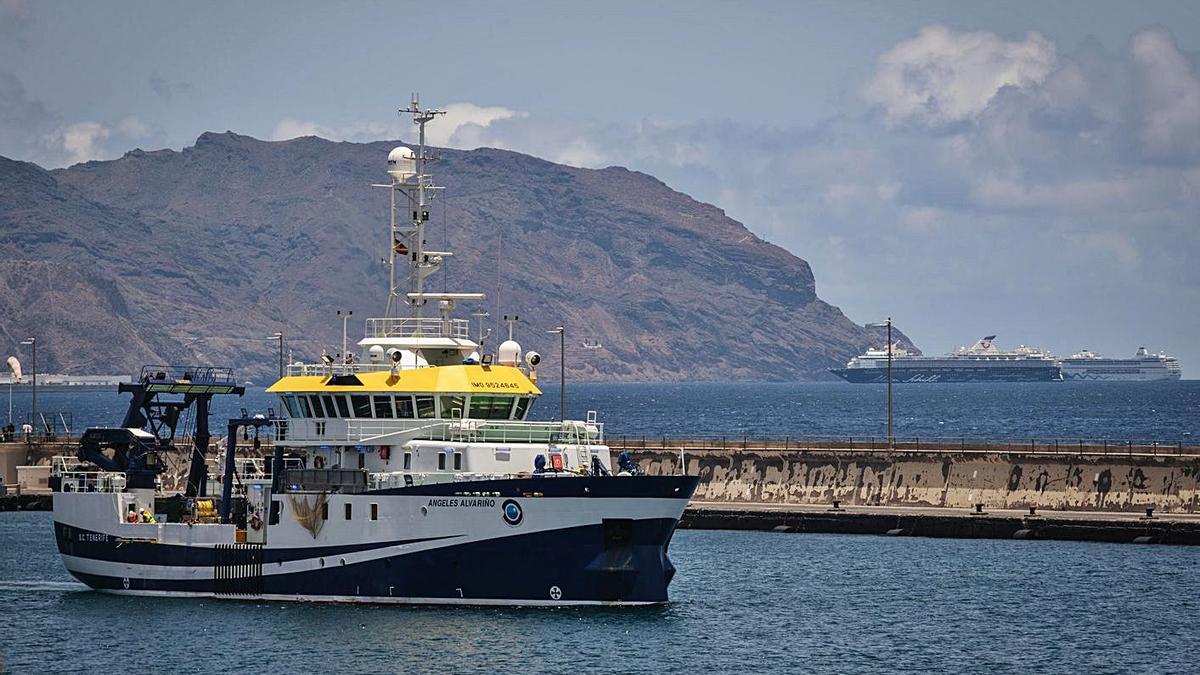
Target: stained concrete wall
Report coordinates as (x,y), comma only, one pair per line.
(948,479)
(12,455)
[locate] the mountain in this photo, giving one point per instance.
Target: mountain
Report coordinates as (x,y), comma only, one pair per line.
(199,255)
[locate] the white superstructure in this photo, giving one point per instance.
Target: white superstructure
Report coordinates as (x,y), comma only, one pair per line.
(1088,366)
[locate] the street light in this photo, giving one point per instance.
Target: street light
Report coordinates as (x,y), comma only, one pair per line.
(888,325)
(345,314)
(562,372)
(33,343)
(279,336)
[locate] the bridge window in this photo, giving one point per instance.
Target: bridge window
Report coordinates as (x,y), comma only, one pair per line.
(289,402)
(361,405)
(522,407)
(315,401)
(383,407)
(404,407)
(452,403)
(490,407)
(304,409)
(425,407)
(330,409)
(343,409)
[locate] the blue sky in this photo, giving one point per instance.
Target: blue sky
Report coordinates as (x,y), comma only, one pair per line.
(1025,169)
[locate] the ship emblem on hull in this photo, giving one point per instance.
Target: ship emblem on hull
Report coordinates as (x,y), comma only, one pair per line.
(512,513)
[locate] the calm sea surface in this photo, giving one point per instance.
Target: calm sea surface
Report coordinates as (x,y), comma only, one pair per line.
(742,601)
(1168,411)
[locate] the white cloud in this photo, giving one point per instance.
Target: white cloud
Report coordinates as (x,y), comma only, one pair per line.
(1171,98)
(82,140)
(463,123)
(133,128)
(289,128)
(942,76)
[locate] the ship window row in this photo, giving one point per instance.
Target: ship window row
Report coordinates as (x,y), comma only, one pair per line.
(419,406)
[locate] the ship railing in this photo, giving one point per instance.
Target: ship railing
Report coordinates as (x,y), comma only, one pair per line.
(397,431)
(409,327)
(399,479)
(331,369)
(570,432)
(209,375)
(92,481)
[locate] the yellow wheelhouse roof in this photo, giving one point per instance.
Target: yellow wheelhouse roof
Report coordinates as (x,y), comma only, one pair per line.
(457,379)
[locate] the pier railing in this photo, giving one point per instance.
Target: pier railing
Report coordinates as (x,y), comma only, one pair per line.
(836,444)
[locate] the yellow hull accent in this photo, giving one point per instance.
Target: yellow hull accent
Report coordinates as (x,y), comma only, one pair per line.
(436,379)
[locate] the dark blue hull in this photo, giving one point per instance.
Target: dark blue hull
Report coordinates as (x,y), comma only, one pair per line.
(1048,373)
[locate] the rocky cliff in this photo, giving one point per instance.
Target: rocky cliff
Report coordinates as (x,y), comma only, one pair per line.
(199,255)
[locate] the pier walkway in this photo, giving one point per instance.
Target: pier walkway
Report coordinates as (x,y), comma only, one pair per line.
(945,522)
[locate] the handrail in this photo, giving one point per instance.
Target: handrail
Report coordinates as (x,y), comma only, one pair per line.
(193,374)
(92,481)
(409,327)
(574,432)
(802,443)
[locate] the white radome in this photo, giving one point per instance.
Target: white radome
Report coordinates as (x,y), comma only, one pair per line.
(509,353)
(402,163)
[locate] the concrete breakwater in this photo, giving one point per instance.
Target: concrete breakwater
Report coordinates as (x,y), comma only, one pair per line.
(1116,478)
(939,522)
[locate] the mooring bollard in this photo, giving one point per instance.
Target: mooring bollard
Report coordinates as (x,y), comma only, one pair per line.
(836,505)
(1033,510)
(979,508)
(1149,511)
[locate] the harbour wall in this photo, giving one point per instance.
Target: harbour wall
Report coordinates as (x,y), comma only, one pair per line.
(1167,480)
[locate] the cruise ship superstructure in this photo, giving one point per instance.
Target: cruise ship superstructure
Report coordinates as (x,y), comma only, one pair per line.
(1088,366)
(981,362)
(407,474)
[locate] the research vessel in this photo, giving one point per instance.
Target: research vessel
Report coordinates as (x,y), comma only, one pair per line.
(407,474)
(1088,366)
(981,362)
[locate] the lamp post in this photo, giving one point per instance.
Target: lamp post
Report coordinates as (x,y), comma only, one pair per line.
(888,325)
(279,336)
(33,343)
(562,372)
(345,314)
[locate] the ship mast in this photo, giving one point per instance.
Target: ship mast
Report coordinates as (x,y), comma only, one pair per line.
(408,239)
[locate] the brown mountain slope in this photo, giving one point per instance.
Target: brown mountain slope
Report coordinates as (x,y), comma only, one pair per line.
(199,255)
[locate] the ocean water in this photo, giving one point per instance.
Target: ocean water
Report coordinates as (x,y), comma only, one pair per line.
(742,602)
(1164,411)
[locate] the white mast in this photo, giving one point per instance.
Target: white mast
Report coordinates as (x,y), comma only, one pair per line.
(417,188)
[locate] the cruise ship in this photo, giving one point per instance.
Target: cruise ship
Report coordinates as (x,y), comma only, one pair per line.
(1088,366)
(408,474)
(981,362)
